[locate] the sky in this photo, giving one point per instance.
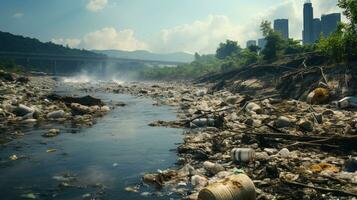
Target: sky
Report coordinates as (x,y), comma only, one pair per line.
(160,26)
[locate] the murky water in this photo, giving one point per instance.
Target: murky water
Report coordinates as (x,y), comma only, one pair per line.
(104,159)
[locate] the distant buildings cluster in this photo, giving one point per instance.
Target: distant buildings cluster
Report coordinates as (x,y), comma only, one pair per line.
(313,27)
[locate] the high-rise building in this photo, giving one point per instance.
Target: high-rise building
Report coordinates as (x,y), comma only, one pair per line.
(307,35)
(329,23)
(261,43)
(282,26)
(251,43)
(317,29)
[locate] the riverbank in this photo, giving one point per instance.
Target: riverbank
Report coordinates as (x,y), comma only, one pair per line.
(302,151)
(82,161)
(31,102)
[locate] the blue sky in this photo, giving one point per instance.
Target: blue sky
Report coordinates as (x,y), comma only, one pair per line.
(155,25)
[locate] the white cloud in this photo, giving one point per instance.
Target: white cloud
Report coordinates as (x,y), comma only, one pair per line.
(73,43)
(201,36)
(18,15)
(96,5)
(110,38)
(104,39)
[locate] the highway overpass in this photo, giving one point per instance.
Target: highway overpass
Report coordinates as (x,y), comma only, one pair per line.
(55,61)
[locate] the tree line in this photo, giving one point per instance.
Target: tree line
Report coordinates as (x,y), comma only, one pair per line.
(340,46)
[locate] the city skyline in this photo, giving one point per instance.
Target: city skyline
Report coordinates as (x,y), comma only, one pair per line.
(312,28)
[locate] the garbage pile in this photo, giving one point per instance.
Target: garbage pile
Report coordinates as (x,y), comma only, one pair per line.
(287,149)
(28,101)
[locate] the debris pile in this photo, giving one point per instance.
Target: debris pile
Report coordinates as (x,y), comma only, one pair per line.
(290,149)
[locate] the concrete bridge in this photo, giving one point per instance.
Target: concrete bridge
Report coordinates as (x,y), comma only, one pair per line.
(100,61)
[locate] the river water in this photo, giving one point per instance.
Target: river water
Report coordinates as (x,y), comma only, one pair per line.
(100,161)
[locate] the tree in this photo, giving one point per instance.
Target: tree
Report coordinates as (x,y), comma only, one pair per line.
(274,42)
(350,12)
(293,46)
(227,49)
(342,45)
(197,57)
(253,48)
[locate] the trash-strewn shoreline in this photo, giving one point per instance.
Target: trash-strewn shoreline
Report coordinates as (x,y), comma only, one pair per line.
(298,150)
(302,151)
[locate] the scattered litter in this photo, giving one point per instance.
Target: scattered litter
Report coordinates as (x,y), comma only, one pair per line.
(51,150)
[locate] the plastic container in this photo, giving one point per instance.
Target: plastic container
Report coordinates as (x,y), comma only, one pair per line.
(351,165)
(347,102)
(235,187)
(242,154)
(203,122)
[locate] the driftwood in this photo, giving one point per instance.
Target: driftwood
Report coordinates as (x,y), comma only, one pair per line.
(335,192)
(336,141)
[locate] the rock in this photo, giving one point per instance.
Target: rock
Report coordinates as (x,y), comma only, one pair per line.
(253,107)
(22,110)
(201,93)
(284,153)
(51,133)
(150,178)
(282,122)
(56,114)
(261,156)
(270,151)
(78,109)
(232,100)
(86,100)
(105,109)
(213,168)
(253,122)
(306,125)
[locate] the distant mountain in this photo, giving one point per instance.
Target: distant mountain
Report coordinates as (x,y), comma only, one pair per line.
(16,43)
(146,55)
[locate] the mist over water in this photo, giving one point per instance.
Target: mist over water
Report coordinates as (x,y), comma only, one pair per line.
(86,77)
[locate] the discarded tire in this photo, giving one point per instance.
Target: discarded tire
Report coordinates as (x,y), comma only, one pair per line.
(236,187)
(242,154)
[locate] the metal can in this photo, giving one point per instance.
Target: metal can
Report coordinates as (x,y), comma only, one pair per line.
(242,154)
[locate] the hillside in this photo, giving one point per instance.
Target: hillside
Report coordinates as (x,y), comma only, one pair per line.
(16,43)
(146,55)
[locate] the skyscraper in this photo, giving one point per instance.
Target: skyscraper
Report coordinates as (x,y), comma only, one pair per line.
(261,43)
(307,34)
(317,29)
(251,43)
(282,26)
(329,23)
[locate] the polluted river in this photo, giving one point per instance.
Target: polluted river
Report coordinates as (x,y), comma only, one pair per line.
(96,162)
